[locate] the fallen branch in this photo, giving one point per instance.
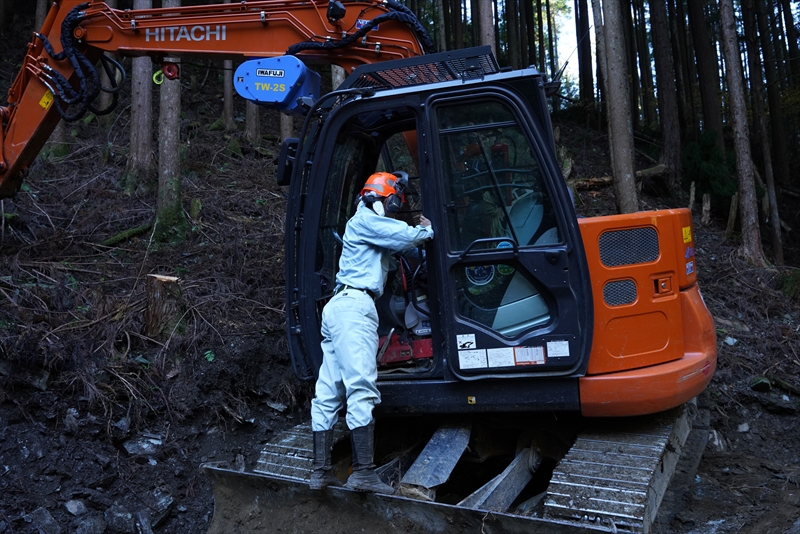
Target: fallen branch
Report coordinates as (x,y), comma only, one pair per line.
(604,181)
(127,234)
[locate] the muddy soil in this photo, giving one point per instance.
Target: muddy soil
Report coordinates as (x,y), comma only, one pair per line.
(102,428)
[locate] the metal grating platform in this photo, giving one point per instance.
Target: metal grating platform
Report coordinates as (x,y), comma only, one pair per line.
(289,454)
(616,477)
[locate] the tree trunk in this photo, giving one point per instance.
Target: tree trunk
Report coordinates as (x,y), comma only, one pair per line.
(667,94)
(781,162)
(585,76)
(600,40)
(620,129)
(252,123)
(540,33)
(171,224)
(512,23)
(645,69)
(751,239)
(530,32)
(633,85)
(791,38)
(458,23)
(486,25)
(678,33)
(440,23)
(551,38)
(140,154)
(707,68)
(759,117)
(227,92)
(42,6)
(164,307)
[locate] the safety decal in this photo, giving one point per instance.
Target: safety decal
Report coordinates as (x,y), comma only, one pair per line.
(502,357)
(47,99)
(480,275)
(558,349)
(529,355)
(472,359)
(466,341)
(689,252)
(687,234)
(689,267)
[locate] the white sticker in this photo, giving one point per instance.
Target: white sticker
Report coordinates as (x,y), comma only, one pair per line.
(502,357)
(558,349)
(529,355)
(472,359)
(466,341)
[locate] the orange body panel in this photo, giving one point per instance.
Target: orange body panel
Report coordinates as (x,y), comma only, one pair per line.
(656,347)
(247,29)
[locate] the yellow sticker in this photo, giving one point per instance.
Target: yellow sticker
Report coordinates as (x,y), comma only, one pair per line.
(47,99)
(687,234)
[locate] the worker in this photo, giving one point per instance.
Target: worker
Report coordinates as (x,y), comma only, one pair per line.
(349,370)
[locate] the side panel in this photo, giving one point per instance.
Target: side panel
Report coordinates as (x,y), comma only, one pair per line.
(637,265)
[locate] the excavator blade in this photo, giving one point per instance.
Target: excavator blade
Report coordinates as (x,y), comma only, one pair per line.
(250,503)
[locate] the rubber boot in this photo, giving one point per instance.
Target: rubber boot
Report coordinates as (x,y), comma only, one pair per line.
(364,478)
(322,476)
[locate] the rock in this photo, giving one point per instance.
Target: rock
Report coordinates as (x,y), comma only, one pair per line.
(744,427)
(43,521)
(717,441)
(120,520)
(795,528)
(162,504)
(91,525)
(143,446)
(76,507)
(731,341)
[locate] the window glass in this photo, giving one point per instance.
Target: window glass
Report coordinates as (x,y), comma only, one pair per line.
(493,180)
(496,200)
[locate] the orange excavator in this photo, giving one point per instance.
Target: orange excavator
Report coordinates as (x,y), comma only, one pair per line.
(537,369)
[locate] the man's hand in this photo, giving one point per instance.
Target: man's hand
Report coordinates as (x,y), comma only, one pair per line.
(424,221)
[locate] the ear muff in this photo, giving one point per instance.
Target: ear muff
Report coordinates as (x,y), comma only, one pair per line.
(394,203)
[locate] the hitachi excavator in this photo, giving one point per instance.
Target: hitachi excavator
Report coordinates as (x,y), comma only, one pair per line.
(537,369)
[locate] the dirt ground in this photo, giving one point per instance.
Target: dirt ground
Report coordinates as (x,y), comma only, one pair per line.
(102,429)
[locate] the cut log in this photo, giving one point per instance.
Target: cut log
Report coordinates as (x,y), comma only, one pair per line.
(164,306)
(603,181)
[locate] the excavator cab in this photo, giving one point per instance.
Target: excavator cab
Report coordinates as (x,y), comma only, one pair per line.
(502,290)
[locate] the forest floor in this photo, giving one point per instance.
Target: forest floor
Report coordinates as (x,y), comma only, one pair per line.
(102,429)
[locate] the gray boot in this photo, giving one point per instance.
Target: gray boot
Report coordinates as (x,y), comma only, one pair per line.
(322,476)
(364,477)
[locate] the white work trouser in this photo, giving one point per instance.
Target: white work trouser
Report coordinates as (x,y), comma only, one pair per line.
(349,370)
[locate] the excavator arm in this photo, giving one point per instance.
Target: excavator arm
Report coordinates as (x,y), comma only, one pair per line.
(58,78)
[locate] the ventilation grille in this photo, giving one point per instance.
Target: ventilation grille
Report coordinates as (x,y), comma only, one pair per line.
(619,292)
(629,247)
(464,64)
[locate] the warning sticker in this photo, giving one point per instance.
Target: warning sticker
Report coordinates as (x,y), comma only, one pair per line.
(46,99)
(558,349)
(465,341)
(502,357)
(529,355)
(472,359)
(687,234)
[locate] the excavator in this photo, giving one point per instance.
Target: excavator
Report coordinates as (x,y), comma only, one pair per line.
(537,369)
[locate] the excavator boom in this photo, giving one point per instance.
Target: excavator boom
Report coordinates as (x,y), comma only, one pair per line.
(58,80)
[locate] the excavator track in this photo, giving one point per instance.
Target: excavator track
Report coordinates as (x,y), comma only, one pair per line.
(617,471)
(611,480)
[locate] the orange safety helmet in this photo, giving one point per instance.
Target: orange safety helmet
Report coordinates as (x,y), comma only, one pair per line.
(381,184)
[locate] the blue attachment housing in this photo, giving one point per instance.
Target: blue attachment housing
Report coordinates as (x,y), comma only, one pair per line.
(277,83)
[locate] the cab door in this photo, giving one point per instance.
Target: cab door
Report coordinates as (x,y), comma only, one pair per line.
(512,275)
